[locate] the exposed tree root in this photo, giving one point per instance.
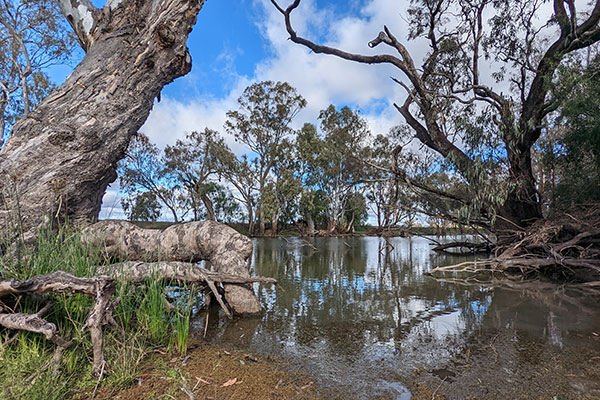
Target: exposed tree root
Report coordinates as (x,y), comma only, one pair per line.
(560,245)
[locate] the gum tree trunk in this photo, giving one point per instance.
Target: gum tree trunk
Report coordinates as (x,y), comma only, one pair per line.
(225,249)
(62,156)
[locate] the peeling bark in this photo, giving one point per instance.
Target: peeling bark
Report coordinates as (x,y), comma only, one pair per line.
(62,156)
(225,249)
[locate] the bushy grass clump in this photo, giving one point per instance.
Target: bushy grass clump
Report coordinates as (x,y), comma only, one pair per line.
(145,322)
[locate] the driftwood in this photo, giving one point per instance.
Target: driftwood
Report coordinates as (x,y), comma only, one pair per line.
(221,246)
(102,288)
(564,245)
(463,248)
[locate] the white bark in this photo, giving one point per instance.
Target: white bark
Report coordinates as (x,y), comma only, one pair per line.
(82,16)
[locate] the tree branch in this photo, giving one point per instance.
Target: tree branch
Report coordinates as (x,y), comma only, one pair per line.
(83,17)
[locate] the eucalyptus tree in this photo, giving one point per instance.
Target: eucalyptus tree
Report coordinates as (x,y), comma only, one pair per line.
(575,154)
(142,171)
(33,37)
(308,146)
(195,161)
(241,175)
(227,208)
(390,200)
(262,123)
(61,157)
(283,190)
(144,206)
(484,128)
(339,163)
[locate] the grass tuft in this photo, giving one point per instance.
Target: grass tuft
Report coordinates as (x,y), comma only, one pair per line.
(143,316)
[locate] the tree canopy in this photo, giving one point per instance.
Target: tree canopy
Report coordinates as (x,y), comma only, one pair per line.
(484,127)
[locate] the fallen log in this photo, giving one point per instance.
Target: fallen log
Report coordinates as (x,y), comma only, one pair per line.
(224,248)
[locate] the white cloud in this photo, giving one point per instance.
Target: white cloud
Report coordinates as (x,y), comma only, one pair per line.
(321,79)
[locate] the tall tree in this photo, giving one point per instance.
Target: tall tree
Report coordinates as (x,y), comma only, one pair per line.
(241,175)
(143,170)
(492,153)
(575,154)
(33,37)
(389,199)
(339,162)
(308,148)
(266,110)
(194,161)
(61,157)
(284,188)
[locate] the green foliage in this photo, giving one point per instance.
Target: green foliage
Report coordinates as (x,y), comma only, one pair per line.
(143,170)
(143,207)
(33,37)
(194,161)
(571,150)
(266,110)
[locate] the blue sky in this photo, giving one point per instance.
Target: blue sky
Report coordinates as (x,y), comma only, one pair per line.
(237,43)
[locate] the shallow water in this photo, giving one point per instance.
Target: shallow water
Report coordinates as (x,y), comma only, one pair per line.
(361,316)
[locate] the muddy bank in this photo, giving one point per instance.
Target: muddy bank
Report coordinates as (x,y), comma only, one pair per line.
(213,373)
(503,365)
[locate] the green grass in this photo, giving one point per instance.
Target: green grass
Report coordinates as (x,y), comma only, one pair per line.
(143,318)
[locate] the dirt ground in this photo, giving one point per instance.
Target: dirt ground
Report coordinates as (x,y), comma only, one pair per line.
(213,373)
(492,367)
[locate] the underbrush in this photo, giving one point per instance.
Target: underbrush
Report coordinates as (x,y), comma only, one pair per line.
(145,323)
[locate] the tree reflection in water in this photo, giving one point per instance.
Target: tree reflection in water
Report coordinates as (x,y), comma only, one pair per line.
(361,310)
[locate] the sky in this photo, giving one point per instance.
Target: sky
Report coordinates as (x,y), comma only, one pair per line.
(239,42)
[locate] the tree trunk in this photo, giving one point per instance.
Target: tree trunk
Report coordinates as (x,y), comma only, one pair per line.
(331,225)
(350,226)
(275,223)
(61,157)
(310,225)
(208,204)
(225,249)
(523,206)
(250,218)
(261,221)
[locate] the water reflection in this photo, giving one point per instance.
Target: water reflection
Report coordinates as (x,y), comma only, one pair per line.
(359,311)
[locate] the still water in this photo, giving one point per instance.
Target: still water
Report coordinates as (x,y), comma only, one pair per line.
(361,316)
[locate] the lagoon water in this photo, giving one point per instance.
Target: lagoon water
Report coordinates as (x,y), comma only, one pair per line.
(363,318)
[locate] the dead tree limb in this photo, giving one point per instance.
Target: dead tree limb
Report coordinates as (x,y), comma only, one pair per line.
(178,271)
(470,246)
(102,288)
(221,246)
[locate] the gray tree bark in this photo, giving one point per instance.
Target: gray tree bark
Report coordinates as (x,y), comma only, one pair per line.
(62,156)
(225,249)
